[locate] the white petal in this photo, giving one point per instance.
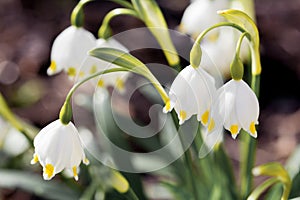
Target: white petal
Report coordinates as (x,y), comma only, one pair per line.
(217,115)
(204,88)
(186,99)
(77,154)
(247,107)
(231,123)
(70,48)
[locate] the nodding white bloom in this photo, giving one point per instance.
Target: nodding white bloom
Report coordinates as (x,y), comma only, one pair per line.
(58,147)
(69,50)
(235,106)
(200,15)
(93,65)
(191,93)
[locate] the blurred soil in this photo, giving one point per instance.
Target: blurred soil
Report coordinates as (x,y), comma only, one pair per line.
(28,28)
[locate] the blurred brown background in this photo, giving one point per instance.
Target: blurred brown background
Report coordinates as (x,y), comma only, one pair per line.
(28,28)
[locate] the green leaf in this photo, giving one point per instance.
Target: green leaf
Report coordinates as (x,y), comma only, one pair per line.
(131,63)
(293,168)
(27,130)
(6,113)
(226,170)
(12,179)
(108,126)
(295,192)
(275,192)
(276,171)
(152,16)
(243,20)
(123,3)
(179,192)
(120,58)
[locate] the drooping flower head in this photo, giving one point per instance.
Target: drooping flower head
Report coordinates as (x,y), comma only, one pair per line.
(235,106)
(58,147)
(191,93)
(92,65)
(69,50)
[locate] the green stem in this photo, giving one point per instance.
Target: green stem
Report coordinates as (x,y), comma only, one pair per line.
(65,114)
(196,53)
(201,36)
(262,188)
(124,3)
(239,43)
(131,195)
(8,115)
(225,165)
(77,16)
(187,159)
(104,30)
(248,151)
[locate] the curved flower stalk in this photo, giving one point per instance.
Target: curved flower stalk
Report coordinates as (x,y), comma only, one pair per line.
(219,45)
(218,54)
(235,107)
(58,147)
(191,93)
(200,15)
(92,65)
(69,50)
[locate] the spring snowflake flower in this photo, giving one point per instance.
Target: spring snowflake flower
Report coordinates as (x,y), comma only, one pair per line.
(191,93)
(236,106)
(93,65)
(70,49)
(200,15)
(58,147)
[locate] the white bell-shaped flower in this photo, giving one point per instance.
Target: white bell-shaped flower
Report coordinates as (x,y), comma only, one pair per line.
(58,147)
(191,93)
(69,50)
(200,15)
(92,65)
(235,106)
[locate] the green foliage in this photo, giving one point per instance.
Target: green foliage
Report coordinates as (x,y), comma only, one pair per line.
(30,182)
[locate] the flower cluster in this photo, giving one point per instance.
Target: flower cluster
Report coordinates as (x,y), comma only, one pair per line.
(234,105)
(194,91)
